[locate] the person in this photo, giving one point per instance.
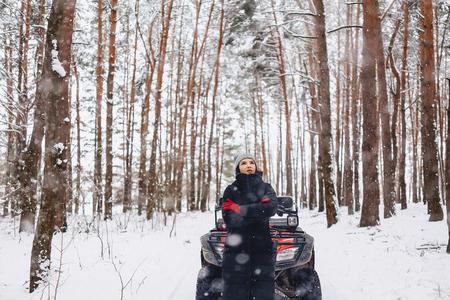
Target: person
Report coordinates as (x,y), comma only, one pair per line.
(249,257)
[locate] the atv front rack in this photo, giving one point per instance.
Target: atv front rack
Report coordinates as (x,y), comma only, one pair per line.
(213,245)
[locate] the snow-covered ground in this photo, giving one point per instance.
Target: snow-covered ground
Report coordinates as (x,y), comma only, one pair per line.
(403,258)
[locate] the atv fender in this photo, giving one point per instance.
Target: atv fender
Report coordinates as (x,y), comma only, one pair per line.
(306,254)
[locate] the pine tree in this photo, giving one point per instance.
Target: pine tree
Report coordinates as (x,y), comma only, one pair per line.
(428,120)
(325,114)
(371,193)
(54,85)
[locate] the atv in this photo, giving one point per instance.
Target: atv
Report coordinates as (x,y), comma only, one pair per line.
(295,276)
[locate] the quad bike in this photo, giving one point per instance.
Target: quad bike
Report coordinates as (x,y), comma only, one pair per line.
(295,276)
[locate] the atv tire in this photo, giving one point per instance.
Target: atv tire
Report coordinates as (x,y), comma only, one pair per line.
(307,285)
(209,283)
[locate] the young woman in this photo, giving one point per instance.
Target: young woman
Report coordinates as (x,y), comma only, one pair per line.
(249,254)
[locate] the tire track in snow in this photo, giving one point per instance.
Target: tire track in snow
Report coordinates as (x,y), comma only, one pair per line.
(184,287)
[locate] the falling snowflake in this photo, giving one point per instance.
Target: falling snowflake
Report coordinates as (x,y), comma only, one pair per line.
(242,258)
(234,240)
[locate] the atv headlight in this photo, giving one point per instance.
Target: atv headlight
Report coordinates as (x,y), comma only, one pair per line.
(292,221)
(286,254)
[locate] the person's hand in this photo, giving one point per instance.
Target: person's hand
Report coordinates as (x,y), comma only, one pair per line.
(231,205)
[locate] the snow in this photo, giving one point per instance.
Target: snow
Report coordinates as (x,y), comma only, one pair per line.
(56,64)
(233,240)
(403,258)
(59,147)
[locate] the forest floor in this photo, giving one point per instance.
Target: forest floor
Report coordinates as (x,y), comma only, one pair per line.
(129,258)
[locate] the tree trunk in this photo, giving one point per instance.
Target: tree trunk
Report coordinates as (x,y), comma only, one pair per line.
(397,93)
(143,179)
(206,190)
(260,105)
(20,169)
(415,161)
(403,81)
(347,184)
(171,117)
(287,112)
(356,112)
(97,195)
(191,103)
(388,171)
(298,154)
(337,149)
(32,155)
(182,117)
(440,132)
(127,185)
(109,108)
(152,176)
(56,74)
(303,197)
(447,167)
(325,114)
(10,151)
(78,128)
(316,175)
(312,188)
(371,193)
(66,207)
(428,88)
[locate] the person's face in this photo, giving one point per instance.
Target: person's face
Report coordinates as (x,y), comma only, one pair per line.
(247,166)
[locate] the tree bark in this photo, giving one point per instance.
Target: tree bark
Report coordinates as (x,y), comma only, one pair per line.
(127,186)
(371,193)
(414,115)
(337,149)
(403,82)
(152,176)
(97,195)
(143,179)
(206,190)
(287,111)
(397,93)
(260,101)
(66,207)
(325,114)
(78,128)
(182,117)
(428,130)
(356,112)
(388,171)
(21,170)
(312,188)
(347,192)
(447,167)
(109,109)
(10,151)
(54,87)
(32,154)
(193,62)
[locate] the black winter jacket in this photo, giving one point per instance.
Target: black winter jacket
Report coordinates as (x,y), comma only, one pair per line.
(253,220)
(249,257)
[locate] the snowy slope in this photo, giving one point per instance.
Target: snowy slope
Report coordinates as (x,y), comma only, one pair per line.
(353,263)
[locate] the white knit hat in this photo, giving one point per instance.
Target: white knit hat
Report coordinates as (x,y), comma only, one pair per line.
(240,157)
